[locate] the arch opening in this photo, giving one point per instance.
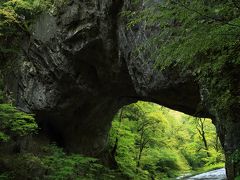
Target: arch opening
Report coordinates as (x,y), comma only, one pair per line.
(153,142)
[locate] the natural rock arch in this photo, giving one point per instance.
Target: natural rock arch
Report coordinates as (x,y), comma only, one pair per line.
(76,70)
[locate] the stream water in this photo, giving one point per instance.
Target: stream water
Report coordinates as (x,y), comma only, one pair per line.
(219,174)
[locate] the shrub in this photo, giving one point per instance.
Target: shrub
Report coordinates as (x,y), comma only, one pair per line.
(14,123)
(51,163)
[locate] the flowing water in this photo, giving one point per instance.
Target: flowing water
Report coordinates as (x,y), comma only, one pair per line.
(219,174)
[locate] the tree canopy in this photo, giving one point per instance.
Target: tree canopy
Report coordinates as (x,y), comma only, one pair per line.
(156,142)
(198,37)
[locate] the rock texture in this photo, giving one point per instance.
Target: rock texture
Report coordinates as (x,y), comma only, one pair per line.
(77,70)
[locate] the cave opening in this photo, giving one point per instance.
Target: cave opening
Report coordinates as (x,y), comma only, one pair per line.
(153,142)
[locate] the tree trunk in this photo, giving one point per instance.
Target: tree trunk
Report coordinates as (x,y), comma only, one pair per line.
(217,143)
(141,147)
(205,143)
(139,158)
(202,134)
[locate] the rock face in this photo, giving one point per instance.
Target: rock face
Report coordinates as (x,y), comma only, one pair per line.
(77,70)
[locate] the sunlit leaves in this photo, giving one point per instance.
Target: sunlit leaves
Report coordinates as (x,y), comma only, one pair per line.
(15,123)
(173,143)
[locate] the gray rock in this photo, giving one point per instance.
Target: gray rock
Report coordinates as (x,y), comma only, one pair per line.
(78,68)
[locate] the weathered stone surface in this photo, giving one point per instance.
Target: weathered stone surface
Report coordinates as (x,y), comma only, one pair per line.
(77,70)
(71,74)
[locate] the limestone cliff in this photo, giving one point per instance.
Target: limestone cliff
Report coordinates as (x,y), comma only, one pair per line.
(77,69)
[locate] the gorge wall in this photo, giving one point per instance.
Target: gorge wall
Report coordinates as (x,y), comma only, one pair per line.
(77,69)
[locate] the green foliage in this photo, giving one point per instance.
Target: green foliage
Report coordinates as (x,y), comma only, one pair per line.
(15,123)
(172,143)
(199,37)
(236,155)
(15,14)
(16,17)
(73,166)
(51,163)
(4,176)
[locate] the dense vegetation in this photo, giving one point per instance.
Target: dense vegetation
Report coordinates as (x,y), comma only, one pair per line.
(198,37)
(51,163)
(16,127)
(150,141)
(21,157)
(147,141)
(14,123)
